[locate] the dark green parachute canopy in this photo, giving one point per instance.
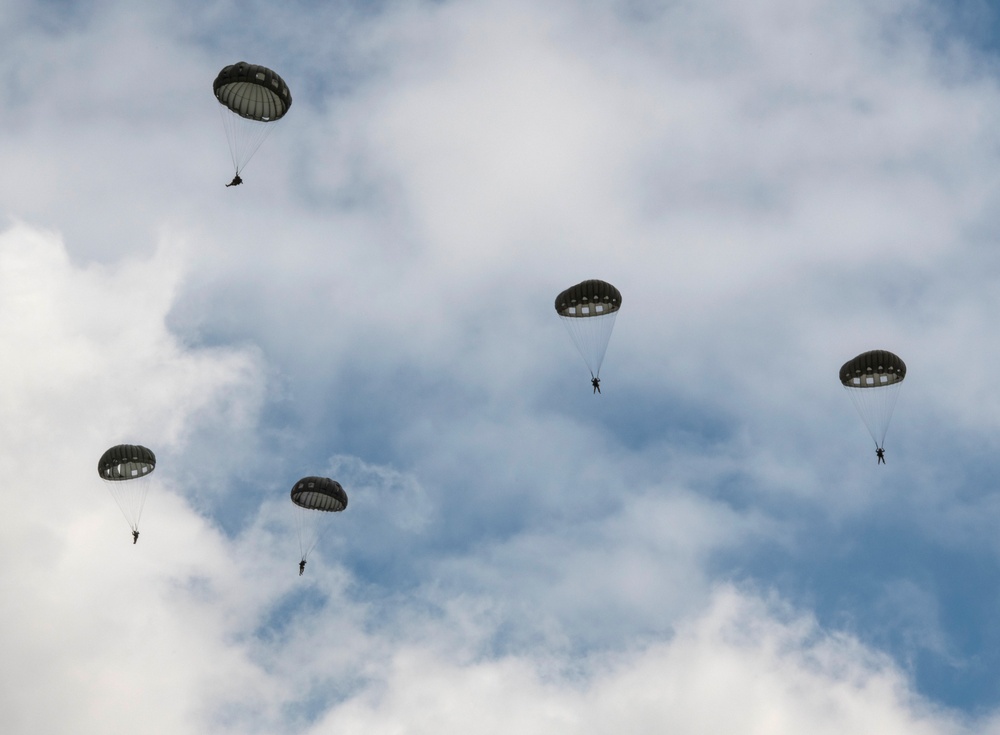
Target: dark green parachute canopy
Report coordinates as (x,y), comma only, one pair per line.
(253,97)
(315,494)
(125,470)
(873,369)
(126,462)
(588,311)
(253,91)
(872,380)
(319,493)
(589,299)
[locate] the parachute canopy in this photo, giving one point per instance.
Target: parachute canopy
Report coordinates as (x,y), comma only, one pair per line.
(126,462)
(588,310)
(253,91)
(319,493)
(872,380)
(252,97)
(125,469)
(873,369)
(314,497)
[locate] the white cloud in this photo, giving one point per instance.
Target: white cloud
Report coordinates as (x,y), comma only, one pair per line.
(741,666)
(774,188)
(94,629)
(92,358)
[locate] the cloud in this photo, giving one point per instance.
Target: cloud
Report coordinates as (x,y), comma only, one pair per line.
(773,189)
(744,665)
(94,628)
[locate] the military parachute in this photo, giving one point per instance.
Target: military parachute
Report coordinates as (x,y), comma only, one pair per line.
(252,98)
(872,380)
(125,469)
(588,310)
(314,497)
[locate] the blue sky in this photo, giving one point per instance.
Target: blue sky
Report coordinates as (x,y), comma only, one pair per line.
(708,546)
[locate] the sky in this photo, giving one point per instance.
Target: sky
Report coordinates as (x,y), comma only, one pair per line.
(708,546)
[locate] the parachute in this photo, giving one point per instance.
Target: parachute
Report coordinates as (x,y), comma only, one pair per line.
(125,470)
(872,380)
(588,310)
(314,497)
(252,98)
